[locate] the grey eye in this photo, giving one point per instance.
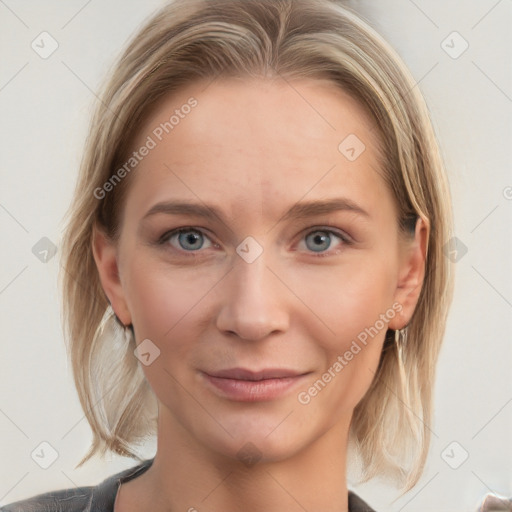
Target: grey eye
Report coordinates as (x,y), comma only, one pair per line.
(188,239)
(318,240)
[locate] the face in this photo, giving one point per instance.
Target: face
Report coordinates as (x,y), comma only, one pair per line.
(267,296)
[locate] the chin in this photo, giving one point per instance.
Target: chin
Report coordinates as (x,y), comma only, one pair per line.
(258,438)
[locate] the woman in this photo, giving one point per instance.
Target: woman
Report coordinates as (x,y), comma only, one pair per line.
(253,263)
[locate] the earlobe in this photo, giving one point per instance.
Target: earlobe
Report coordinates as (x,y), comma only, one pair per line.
(411,273)
(105,255)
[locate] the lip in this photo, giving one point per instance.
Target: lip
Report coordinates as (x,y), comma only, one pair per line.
(243,385)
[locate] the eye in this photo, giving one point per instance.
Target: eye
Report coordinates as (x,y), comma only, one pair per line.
(320,240)
(192,240)
(186,239)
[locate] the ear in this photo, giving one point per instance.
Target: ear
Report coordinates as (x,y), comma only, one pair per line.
(411,273)
(105,254)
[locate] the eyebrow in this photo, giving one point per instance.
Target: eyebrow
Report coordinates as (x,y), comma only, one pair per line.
(300,210)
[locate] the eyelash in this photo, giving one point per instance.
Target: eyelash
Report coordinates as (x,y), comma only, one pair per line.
(164,239)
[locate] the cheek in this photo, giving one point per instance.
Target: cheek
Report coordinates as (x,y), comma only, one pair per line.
(354,303)
(167,308)
(345,300)
(165,304)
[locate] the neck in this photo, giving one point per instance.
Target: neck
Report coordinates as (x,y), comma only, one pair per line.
(185,477)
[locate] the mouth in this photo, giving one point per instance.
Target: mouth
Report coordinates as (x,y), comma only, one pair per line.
(243,385)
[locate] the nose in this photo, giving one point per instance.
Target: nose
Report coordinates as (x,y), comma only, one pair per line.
(253,301)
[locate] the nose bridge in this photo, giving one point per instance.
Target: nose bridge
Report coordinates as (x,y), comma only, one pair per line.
(252,304)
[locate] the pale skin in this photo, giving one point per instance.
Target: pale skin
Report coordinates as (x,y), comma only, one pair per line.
(254,148)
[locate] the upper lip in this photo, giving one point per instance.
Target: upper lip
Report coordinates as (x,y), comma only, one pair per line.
(245,374)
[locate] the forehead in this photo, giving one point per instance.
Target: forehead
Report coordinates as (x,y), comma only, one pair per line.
(257,143)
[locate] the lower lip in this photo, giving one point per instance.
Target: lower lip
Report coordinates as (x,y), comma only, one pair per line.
(252,390)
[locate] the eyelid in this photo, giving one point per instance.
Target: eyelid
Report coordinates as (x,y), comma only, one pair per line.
(329,229)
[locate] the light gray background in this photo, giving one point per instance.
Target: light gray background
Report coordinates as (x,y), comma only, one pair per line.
(44,108)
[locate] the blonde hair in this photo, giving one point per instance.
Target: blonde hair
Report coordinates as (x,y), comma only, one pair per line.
(188,40)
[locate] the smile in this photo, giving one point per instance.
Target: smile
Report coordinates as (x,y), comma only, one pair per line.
(243,385)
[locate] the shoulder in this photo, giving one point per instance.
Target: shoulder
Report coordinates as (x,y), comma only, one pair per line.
(99,498)
(356,504)
(65,500)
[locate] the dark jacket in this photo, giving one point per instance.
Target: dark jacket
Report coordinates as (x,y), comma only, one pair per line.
(101,498)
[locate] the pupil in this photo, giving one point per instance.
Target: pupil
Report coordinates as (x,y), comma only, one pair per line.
(190,238)
(321,239)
